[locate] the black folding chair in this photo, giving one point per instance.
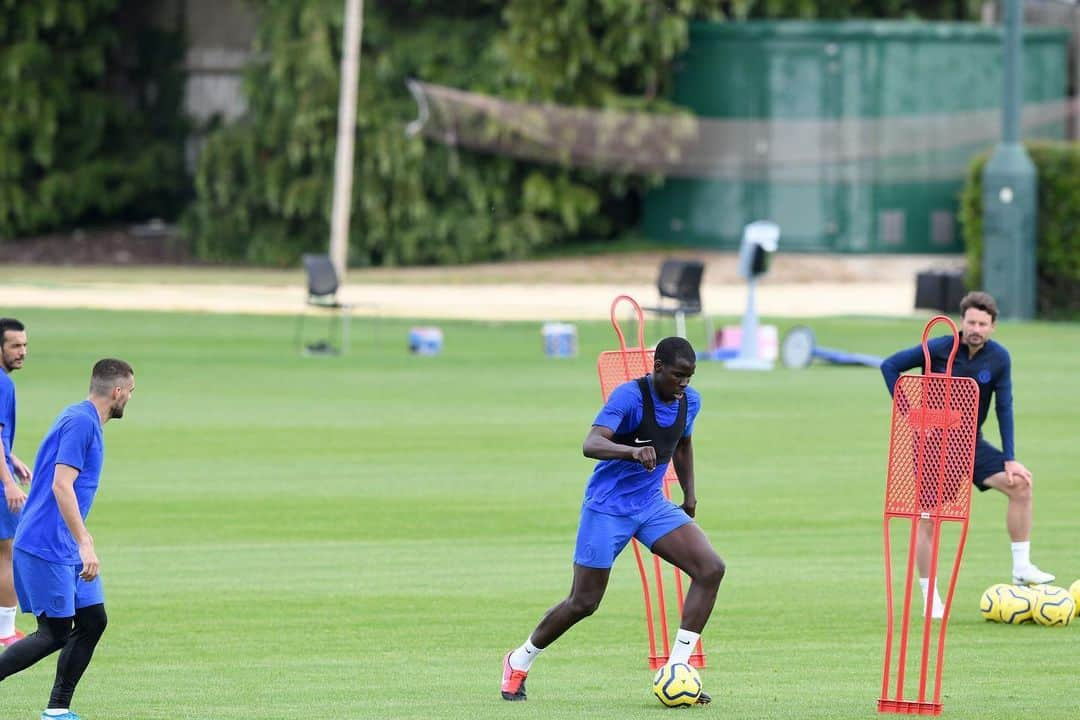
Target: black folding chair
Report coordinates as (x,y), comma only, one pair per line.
(679,286)
(322,287)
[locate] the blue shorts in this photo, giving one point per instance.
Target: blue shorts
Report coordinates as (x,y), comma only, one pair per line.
(988,461)
(8,519)
(601,537)
(53,589)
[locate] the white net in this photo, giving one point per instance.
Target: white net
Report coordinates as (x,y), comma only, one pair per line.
(864,149)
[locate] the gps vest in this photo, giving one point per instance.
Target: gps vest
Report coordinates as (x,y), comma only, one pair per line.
(664,439)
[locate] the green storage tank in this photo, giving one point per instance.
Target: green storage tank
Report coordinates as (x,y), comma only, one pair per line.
(853,136)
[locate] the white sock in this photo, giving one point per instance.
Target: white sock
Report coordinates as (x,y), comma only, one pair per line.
(7,621)
(685,642)
(522,658)
(56,711)
(924,583)
(1021,552)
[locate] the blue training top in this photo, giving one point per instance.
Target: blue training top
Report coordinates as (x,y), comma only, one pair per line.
(7,417)
(75,439)
(991,367)
(624,487)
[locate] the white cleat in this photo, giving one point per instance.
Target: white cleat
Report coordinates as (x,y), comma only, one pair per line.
(937,613)
(1031,575)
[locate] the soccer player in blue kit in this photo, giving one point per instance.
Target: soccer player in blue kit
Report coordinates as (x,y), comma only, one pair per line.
(12,472)
(989,364)
(645,424)
(56,567)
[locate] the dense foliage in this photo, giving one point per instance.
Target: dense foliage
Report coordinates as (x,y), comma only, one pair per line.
(264,186)
(91,126)
(90,115)
(1057,249)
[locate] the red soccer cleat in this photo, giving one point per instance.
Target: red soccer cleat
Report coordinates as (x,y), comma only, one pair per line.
(11,639)
(513,681)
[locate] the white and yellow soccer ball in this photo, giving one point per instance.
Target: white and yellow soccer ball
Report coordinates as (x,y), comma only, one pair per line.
(677,685)
(1054,606)
(1010,604)
(1017,604)
(1074,590)
(990,602)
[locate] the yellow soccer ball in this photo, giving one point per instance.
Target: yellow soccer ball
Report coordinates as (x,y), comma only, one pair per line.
(1054,606)
(677,685)
(1074,590)
(990,602)
(1017,604)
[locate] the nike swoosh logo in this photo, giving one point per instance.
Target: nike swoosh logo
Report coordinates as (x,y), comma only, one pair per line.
(685,642)
(642,442)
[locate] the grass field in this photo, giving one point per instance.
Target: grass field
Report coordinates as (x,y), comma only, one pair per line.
(365,537)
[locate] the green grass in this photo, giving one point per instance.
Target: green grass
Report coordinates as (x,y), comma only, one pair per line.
(287,537)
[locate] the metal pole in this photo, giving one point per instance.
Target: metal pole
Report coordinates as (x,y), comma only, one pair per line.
(343,157)
(1010,188)
(1014,62)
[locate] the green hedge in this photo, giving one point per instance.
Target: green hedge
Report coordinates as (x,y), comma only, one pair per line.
(1057,252)
(74,147)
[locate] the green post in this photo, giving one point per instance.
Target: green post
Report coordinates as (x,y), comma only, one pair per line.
(1010,189)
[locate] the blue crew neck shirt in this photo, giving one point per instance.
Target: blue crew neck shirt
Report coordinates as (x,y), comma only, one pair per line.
(7,417)
(624,487)
(991,368)
(74,439)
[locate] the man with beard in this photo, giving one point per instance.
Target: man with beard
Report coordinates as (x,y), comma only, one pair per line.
(56,567)
(12,472)
(989,364)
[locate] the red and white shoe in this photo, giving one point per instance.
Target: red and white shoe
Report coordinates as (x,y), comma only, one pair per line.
(11,639)
(513,681)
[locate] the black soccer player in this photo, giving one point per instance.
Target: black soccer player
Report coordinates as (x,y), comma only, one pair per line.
(645,424)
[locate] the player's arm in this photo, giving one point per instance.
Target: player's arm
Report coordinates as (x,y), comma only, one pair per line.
(13,494)
(683,459)
(598,445)
(63,488)
(899,362)
(1003,408)
(22,470)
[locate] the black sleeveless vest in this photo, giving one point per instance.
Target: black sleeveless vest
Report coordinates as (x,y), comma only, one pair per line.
(664,439)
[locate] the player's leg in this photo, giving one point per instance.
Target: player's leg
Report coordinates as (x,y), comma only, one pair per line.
(50,636)
(600,539)
(990,473)
(680,541)
(47,590)
(586,591)
(924,543)
(8,600)
(90,623)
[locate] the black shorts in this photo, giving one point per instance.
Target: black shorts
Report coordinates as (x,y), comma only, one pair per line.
(988,461)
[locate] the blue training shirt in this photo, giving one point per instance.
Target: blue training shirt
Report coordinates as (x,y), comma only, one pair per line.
(7,417)
(991,368)
(623,487)
(75,439)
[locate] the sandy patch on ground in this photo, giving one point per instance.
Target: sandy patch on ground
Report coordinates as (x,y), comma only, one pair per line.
(565,289)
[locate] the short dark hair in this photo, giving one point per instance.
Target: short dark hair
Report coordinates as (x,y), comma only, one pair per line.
(106,373)
(671,349)
(9,324)
(980,301)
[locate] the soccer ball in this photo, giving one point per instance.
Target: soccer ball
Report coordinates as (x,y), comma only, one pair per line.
(1011,604)
(1054,606)
(990,602)
(677,685)
(1074,590)
(1017,604)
